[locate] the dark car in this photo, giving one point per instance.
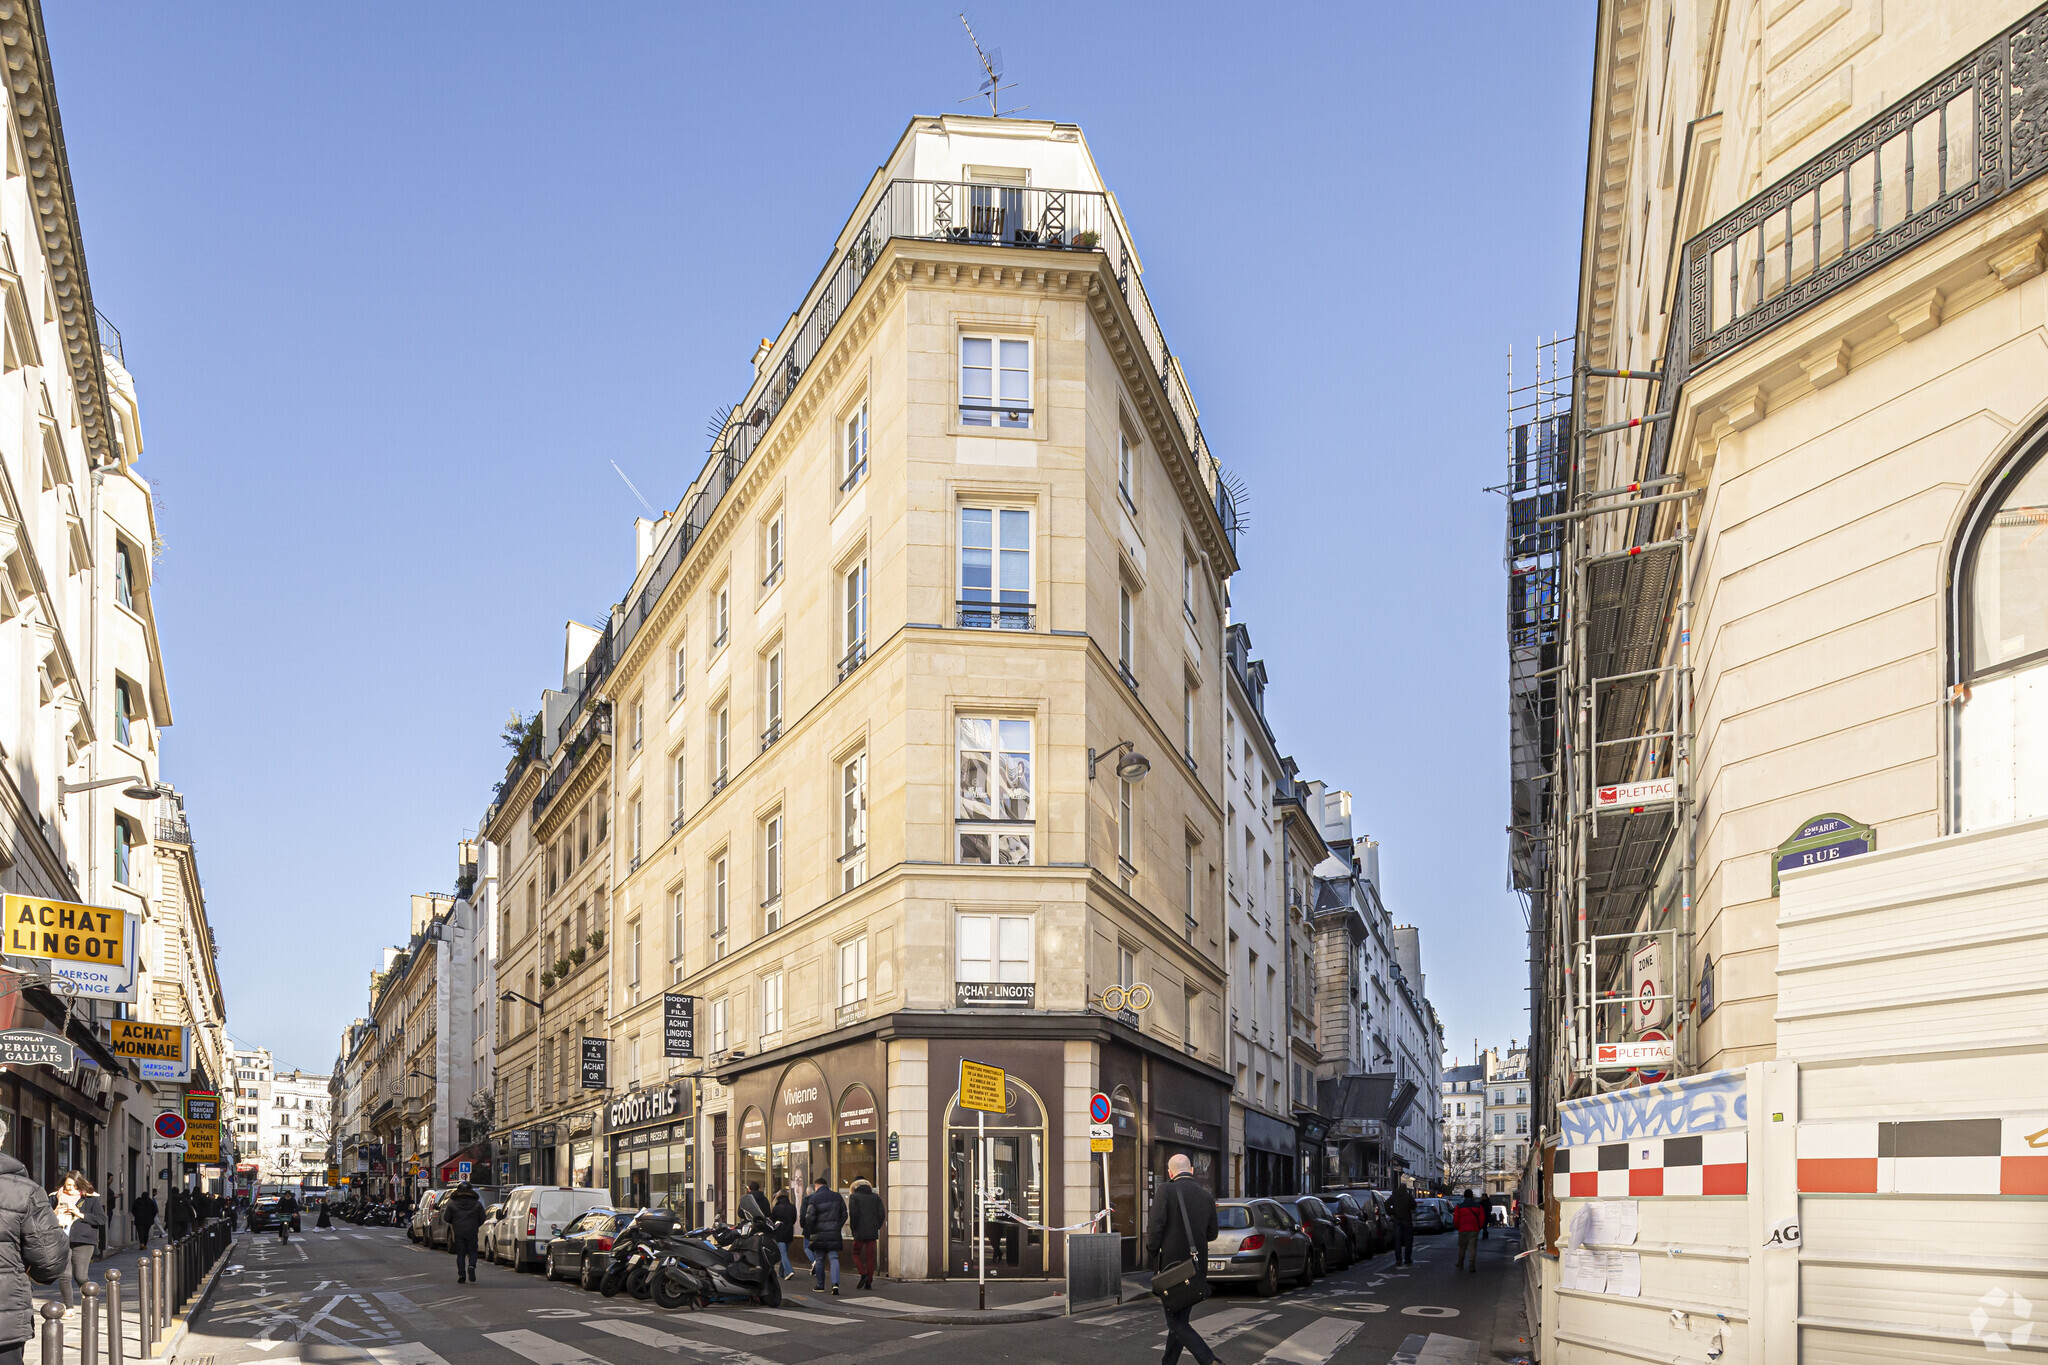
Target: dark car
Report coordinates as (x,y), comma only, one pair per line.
(582,1250)
(263,1215)
(1332,1250)
(1432,1214)
(1354,1213)
(1260,1241)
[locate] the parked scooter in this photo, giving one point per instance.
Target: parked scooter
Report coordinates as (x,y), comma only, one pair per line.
(635,1248)
(720,1264)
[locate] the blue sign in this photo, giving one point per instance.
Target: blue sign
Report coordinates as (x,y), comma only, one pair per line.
(462,1170)
(1826,853)
(1823,839)
(1706,1008)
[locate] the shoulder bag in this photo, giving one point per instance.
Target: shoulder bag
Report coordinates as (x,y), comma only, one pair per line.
(1180,1286)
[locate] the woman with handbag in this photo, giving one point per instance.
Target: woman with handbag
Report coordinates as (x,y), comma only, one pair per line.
(1179,1256)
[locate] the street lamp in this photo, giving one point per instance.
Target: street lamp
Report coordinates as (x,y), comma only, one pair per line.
(139,788)
(1132,767)
(509,996)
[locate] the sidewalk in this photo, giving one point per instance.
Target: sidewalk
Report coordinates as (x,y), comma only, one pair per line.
(949,1302)
(128,1262)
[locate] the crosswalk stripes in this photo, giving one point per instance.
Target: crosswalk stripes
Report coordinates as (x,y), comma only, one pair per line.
(801,1316)
(541,1350)
(404,1353)
(629,1330)
(1313,1344)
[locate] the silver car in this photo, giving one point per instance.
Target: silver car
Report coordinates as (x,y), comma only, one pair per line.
(1259,1242)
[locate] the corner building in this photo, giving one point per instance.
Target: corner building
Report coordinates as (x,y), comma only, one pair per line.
(960,541)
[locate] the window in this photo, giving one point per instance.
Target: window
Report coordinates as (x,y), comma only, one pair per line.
(124,840)
(633,962)
(1126,966)
(721,746)
(995,568)
(678,767)
(639,722)
(1126,867)
(124,576)
(1191,918)
(676,930)
(1521,1095)
(2001,721)
(853,822)
(720,1010)
(995,382)
(855,636)
(771,696)
(1500,1123)
(123,709)
(1124,472)
(1126,633)
(771,1003)
(992,808)
(853,972)
(853,457)
(1187,721)
(771,552)
(719,921)
(1521,1124)
(1499,1155)
(721,617)
(1187,588)
(994,948)
(637,805)
(771,873)
(682,669)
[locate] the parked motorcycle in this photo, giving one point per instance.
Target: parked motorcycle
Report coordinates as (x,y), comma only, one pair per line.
(719,1264)
(635,1248)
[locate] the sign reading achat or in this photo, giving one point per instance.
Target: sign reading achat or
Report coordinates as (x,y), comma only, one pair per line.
(678,1025)
(90,946)
(1823,839)
(981,1087)
(596,1063)
(158,1050)
(33,1047)
(202,1125)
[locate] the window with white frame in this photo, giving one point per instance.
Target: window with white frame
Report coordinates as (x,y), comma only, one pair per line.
(2000,670)
(1192,915)
(853,972)
(771,1003)
(637,804)
(1126,474)
(721,616)
(720,920)
(721,1011)
(771,873)
(771,552)
(633,961)
(639,722)
(676,931)
(1126,632)
(1187,588)
(995,568)
(1187,720)
(995,948)
(1126,864)
(993,797)
(681,662)
(771,696)
(853,822)
(1126,966)
(854,633)
(853,448)
(995,382)
(721,745)
(678,768)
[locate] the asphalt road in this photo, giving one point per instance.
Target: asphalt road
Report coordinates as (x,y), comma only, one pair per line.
(356,1295)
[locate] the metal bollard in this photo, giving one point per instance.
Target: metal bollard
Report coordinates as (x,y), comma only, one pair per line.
(53,1333)
(115,1346)
(89,1323)
(143,1301)
(160,1311)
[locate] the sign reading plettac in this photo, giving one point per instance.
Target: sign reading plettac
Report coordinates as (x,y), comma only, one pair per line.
(90,946)
(158,1050)
(982,1087)
(678,1025)
(1622,795)
(1642,1052)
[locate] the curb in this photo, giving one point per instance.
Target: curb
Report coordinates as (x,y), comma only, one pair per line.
(182,1320)
(949,1317)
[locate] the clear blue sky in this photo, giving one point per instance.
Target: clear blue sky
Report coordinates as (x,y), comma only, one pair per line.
(397,282)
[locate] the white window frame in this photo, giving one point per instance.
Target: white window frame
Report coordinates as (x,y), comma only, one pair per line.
(772,551)
(1126,471)
(771,1003)
(988,397)
(853,450)
(1187,588)
(720,896)
(771,696)
(1006,837)
(721,744)
(679,768)
(853,972)
(853,821)
(721,616)
(854,617)
(633,963)
(1126,838)
(1127,631)
(678,930)
(1187,720)
(682,665)
(1126,966)
(771,873)
(990,611)
(637,846)
(998,937)
(721,1018)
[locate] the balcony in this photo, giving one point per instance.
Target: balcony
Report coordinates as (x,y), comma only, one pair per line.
(853,658)
(771,734)
(595,723)
(996,615)
(174,832)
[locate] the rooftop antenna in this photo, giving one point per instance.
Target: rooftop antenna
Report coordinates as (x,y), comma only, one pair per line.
(992,75)
(636,492)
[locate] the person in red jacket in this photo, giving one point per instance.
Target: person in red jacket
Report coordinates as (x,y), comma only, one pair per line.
(1469,1218)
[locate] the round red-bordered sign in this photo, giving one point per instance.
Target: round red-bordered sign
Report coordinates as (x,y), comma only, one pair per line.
(1651,1035)
(1098,1108)
(170,1126)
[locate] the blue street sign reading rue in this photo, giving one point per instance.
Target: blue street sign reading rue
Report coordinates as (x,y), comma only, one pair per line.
(1823,839)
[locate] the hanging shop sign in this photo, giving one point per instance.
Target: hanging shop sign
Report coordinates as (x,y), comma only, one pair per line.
(678,1025)
(1635,795)
(645,1106)
(202,1125)
(33,1047)
(161,1052)
(90,946)
(1823,839)
(596,1063)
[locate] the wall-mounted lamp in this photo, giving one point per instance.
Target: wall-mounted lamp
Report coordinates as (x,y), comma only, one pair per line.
(1132,767)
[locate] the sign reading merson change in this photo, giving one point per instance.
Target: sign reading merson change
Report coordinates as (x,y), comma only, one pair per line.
(158,1050)
(91,946)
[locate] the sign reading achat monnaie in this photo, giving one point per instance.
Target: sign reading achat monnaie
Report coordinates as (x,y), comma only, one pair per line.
(158,1050)
(90,946)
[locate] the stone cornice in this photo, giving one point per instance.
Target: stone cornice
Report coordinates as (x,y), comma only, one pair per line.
(511,799)
(1617,66)
(577,787)
(24,45)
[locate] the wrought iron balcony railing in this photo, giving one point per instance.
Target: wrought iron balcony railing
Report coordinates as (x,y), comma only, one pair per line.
(853,659)
(997,615)
(771,734)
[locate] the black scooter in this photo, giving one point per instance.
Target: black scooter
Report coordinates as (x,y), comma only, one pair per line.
(634,1250)
(720,1264)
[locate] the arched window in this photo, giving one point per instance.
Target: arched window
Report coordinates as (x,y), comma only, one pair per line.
(2001,653)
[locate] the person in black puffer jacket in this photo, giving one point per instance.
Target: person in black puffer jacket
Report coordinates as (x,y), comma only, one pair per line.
(824,1216)
(465,1217)
(783,1215)
(865,1216)
(31,1246)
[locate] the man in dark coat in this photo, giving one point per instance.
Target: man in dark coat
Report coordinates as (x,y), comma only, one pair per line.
(31,1246)
(465,1219)
(864,1218)
(1401,1208)
(143,1209)
(823,1218)
(180,1214)
(1167,1243)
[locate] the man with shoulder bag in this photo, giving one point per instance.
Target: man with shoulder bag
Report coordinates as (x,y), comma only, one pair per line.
(1177,1238)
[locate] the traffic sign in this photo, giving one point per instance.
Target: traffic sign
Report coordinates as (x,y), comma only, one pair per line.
(1654,1036)
(1098,1108)
(462,1170)
(1101,1132)
(1101,1145)
(170,1125)
(982,1087)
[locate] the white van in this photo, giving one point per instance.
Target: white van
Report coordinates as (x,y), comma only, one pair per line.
(533,1215)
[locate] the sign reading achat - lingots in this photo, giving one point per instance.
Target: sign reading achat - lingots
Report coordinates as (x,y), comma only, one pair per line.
(88,945)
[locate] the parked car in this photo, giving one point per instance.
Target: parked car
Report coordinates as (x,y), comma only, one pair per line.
(494,1242)
(1364,1218)
(536,1215)
(438,1234)
(585,1243)
(1432,1214)
(484,1234)
(423,1215)
(1258,1242)
(1332,1241)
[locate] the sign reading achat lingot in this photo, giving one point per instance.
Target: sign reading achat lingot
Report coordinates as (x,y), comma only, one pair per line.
(91,946)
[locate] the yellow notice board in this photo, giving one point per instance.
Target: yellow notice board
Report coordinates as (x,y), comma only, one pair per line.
(982,1087)
(65,931)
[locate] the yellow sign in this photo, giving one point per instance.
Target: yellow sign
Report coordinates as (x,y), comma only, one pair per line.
(202,1141)
(981,1087)
(66,932)
(1101,1144)
(151,1042)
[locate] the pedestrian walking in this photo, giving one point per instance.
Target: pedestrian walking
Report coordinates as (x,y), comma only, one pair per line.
(865,1217)
(32,1246)
(180,1214)
(465,1219)
(824,1216)
(325,1222)
(783,1215)
(1469,1218)
(83,1216)
(1401,1208)
(142,1208)
(1182,1225)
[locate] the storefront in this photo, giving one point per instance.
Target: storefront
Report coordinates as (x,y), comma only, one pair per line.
(650,1148)
(1190,1117)
(1269,1155)
(580,1148)
(813,1117)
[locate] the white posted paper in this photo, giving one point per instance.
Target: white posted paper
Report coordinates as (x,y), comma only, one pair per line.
(1615,1222)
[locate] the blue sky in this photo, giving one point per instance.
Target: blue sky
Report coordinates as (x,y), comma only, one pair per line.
(398,281)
